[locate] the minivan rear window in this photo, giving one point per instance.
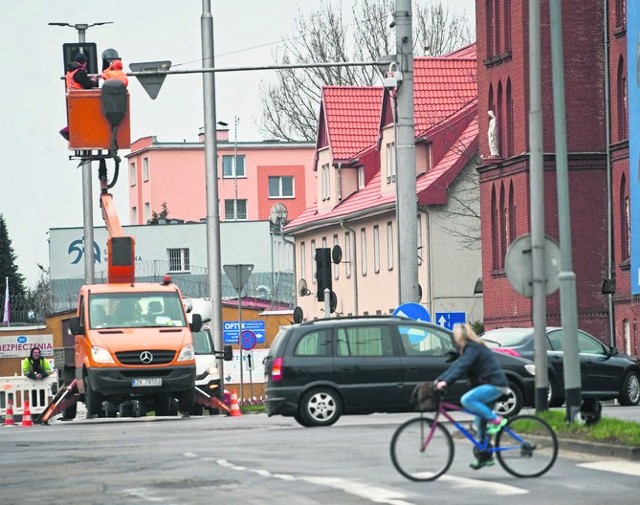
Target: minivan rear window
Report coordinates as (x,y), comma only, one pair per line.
(314,343)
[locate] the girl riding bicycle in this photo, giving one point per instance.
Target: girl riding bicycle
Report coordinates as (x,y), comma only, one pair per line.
(485,374)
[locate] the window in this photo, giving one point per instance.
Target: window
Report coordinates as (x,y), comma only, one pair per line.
(364,341)
(419,239)
(363,251)
(625,230)
(507,25)
(281,187)
(622,104)
(179,260)
(509,120)
(303,261)
(134,215)
(495,257)
(489,27)
(361,181)
(420,341)
(229,168)
(315,343)
(325,182)
(376,249)
(145,169)
(235,210)
(512,214)
(147,212)
(336,268)
(314,270)
(621,13)
(391,162)
(132,174)
(347,254)
(503,226)
(390,245)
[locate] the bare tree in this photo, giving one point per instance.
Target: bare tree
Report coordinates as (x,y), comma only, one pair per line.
(291,104)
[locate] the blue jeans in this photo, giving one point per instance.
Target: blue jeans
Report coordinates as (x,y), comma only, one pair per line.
(477,401)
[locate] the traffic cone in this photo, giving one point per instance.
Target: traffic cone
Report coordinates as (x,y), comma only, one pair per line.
(26,416)
(8,418)
(235,408)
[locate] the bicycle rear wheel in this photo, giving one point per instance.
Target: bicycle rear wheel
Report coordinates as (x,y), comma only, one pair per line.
(412,458)
(527,446)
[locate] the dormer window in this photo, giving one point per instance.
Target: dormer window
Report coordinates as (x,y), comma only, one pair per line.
(325,178)
(360,177)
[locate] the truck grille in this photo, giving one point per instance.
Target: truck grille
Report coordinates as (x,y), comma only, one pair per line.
(158,357)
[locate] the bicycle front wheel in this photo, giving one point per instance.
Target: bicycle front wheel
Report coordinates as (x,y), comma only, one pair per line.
(527,446)
(421,450)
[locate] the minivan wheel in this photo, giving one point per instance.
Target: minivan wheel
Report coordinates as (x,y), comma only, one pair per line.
(630,392)
(510,403)
(320,407)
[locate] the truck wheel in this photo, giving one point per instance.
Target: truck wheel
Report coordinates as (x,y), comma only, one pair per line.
(186,401)
(70,412)
(164,406)
(92,400)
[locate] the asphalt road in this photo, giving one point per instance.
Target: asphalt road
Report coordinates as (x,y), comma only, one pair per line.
(254,459)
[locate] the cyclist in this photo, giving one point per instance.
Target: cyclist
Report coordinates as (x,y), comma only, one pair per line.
(485,374)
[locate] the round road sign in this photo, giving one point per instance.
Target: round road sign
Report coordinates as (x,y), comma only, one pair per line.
(248,340)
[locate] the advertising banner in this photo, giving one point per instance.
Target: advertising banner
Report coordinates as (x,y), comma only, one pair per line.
(19,346)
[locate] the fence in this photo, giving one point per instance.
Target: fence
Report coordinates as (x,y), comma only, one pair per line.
(17,389)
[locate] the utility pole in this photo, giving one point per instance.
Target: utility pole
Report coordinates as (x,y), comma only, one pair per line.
(536,195)
(87,186)
(211,179)
(407,205)
(568,306)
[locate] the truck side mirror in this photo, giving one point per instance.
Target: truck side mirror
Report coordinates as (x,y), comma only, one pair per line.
(75,327)
(228,353)
(196,322)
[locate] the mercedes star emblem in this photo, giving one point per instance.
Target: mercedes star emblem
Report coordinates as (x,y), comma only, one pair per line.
(146,357)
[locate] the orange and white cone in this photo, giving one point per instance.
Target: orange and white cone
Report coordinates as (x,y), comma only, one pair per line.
(235,408)
(26,416)
(8,418)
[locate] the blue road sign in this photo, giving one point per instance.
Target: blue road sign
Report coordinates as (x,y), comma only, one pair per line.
(248,340)
(231,330)
(413,311)
(449,319)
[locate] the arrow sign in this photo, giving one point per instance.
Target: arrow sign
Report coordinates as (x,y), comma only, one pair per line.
(151,82)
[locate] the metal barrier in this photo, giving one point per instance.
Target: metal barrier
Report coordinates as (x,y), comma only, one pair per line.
(17,389)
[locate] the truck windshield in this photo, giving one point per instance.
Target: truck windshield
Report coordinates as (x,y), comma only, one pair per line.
(135,310)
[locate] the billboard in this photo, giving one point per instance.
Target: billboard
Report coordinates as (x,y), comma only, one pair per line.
(633,84)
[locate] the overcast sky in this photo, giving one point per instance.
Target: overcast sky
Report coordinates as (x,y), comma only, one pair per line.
(40,188)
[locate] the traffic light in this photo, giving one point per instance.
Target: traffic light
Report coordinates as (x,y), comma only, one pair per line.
(71,49)
(323,271)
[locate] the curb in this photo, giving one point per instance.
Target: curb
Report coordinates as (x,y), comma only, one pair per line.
(597,449)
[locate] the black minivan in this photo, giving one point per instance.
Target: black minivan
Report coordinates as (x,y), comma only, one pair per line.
(318,370)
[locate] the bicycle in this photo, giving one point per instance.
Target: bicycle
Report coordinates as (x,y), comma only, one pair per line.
(422,448)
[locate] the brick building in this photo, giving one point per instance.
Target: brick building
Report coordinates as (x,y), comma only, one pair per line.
(503,87)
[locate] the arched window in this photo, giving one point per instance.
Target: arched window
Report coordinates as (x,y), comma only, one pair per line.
(626,335)
(621,13)
(503,226)
(512,214)
(496,27)
(489,27)
(500,119)
(495,244)
(509,121)
(622,108)
(506,14)
(491,106)
(625,230)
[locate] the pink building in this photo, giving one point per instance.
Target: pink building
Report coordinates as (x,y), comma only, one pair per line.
(252,178)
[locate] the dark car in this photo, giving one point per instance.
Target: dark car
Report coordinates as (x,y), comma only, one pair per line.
(317,371)
(606,374)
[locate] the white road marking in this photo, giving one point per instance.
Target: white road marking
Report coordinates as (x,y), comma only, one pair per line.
(495,487)
(142,493)
(366,491)
(189,454)
(623,467)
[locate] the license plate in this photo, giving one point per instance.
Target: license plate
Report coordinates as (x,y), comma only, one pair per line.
(137,383)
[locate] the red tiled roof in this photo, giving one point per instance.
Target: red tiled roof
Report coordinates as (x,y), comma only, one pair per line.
(442,86)
(352,115)
(466,52)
